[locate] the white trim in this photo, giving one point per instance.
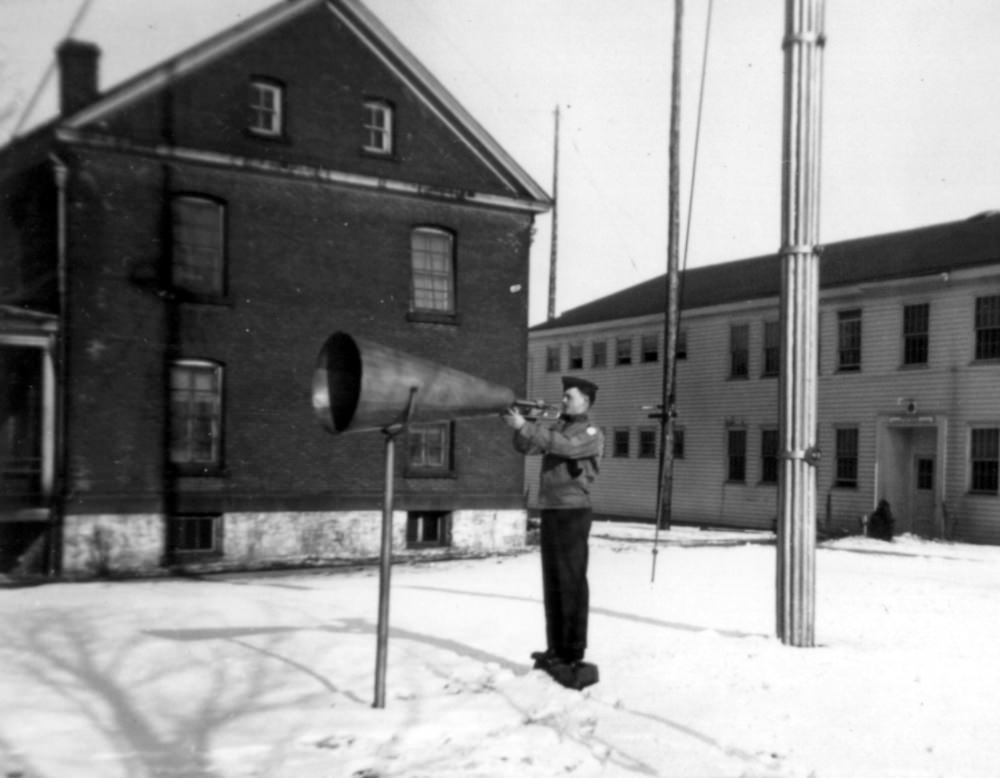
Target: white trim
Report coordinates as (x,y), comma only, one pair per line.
(305,172)
(438,90)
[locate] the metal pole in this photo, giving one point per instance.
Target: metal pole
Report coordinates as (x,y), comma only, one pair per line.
(385,571)
(554,238)
(671,316)
(796,542)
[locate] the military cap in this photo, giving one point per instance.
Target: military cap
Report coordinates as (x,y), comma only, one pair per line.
(586,387)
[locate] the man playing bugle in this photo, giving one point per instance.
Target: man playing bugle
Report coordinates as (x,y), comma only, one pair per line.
(571,453)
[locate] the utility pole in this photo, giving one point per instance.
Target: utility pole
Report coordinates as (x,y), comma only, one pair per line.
(796,542)
(553,250)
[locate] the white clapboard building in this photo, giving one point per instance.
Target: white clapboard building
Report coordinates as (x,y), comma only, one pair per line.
(909,385)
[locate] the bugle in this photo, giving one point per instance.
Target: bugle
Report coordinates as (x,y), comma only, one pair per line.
(537,409)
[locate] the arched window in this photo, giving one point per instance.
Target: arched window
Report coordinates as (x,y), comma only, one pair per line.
(199,245)
(196,415)
(433,256)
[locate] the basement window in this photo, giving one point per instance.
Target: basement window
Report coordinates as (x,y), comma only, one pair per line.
(428,529)
(195,536)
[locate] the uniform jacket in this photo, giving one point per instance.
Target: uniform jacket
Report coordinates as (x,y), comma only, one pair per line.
(572,450)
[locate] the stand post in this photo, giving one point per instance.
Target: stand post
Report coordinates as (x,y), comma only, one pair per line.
(385,552)
(385,571)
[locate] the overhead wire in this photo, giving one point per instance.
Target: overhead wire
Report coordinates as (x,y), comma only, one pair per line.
(50,69)
(610,204)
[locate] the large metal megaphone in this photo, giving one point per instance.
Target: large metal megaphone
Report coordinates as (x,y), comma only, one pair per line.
(359,385)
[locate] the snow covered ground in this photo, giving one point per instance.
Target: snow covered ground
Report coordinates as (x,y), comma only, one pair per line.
(273,674)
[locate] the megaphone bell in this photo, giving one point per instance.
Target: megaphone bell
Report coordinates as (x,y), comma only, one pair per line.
(359,385)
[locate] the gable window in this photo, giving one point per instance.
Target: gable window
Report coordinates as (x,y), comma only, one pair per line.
(769,456)
(988,327)
(576,356)
(846,453)
(196,415)
(849,340)
(432,254)
(647,443)
(553,359)
(199,246)
(623,351)
(266,108)
(772,349)
(650,348)
(916,333)
(430,448)
(737,454)
(739,351)
(984,455)
(620,444)
(378,127)
(599,353)
(428,528)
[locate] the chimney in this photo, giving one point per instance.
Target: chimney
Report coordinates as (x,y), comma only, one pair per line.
(77,75)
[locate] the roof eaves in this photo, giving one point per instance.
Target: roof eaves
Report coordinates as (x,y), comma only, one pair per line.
(199,55)
(371,23)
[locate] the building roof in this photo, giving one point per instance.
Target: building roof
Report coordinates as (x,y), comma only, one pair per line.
(939,248)
(371,31)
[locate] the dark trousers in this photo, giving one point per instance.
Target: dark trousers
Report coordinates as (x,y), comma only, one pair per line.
(564,537)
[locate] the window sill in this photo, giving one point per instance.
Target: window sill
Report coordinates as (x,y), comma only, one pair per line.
(280,138)
(430,317)
(193,557)
(990,362)
(430,474)
(386,156)
(914,366)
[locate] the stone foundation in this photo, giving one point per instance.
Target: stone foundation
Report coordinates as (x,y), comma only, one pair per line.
(130,545)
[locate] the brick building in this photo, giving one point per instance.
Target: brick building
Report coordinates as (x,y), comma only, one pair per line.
(175,250)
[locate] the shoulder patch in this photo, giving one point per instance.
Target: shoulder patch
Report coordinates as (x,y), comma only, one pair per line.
(591,430)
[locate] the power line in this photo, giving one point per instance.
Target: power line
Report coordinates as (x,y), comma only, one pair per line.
(50,69)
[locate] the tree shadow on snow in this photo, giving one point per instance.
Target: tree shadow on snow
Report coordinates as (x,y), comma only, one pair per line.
(155,720)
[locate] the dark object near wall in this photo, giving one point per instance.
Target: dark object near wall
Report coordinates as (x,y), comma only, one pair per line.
(881,524)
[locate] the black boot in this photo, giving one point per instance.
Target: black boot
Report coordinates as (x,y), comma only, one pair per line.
(543,659)
(573,675)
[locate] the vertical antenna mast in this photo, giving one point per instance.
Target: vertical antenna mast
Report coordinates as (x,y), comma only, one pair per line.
(796,569)
(671,315)
(553,251)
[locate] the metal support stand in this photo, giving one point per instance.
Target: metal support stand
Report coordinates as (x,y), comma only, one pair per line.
(391,432)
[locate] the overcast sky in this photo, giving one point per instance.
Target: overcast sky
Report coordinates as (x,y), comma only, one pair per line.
(910,111)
